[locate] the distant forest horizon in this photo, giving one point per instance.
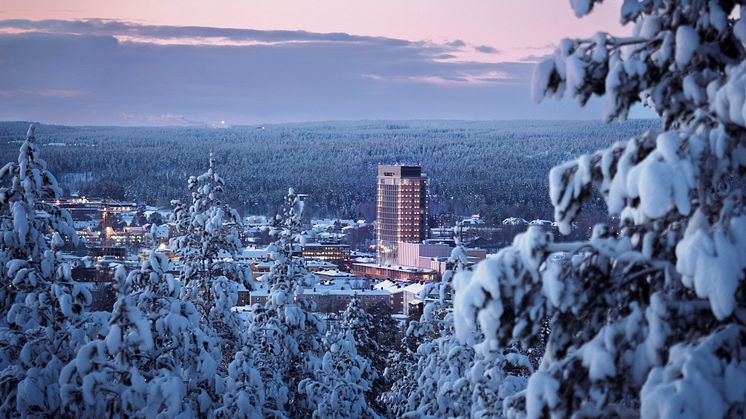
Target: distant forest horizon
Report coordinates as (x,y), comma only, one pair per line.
(497,169)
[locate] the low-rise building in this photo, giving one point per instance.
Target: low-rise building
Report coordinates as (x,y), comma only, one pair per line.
(397,294)
(397,272)
(129,236)
(339,253)
(412,301)
(433,254)
(100,252)
(330,298)
(314,265)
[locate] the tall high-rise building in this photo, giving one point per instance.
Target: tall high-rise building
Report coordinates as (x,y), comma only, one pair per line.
(401,209)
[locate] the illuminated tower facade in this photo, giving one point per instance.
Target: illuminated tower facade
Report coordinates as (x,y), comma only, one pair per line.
(401,209)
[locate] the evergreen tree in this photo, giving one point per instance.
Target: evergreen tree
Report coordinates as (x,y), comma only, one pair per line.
(42,310)
(106,378)
(341,387)
(139,218)
(286,335)
(245,393)
(400,381)
(358,322)
(182,366)
(646,317)
(449,378)
(155,218)
(386,336)
(207,245)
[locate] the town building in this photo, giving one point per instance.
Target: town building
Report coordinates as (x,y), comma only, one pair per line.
(337,253)
(331,298)
(101,252)
(406,298)
(382,272)
(401,208)
(129,236)
(396,290)
(433,255)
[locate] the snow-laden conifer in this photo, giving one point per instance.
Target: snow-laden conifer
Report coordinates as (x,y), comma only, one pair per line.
(285,334)
(640,311)
(182,364)
(339,388)
(43,315)
(207,244)
(106,378)
(450,378)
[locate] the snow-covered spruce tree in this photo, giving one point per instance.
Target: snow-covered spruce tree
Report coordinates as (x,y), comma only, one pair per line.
(453,380)
(436,384)
(405,364)
(648,320)
(339,387)
(356,319)
(181,368)
(107,378)
(286,336)
(139,219)
(400,381)
(384,332)
(42,310)
(207,237)
(244,390)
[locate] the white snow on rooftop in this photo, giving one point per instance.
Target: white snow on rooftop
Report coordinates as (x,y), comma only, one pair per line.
(399,268)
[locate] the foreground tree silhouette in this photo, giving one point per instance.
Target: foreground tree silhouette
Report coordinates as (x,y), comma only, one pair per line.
(448,378)
(107,378)
(42,310)
(338,388)
(180,368)
(285,335)
(647,317)
(207,245)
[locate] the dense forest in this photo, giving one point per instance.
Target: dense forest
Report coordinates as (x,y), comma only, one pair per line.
(498,169)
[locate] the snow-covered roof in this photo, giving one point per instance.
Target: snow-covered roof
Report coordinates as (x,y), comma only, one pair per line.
(262,291)
(514,221)
(82,224)
(313,263)
(399,268)
(390,286)
(414,288)
(256,220)
(254,253)
(161,231)
(362,254)
(474,219)
(320,290)
(325,244)
(384,285)
(335,273)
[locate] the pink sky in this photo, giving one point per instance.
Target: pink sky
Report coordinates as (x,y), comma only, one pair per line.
(245,61)
(517,28)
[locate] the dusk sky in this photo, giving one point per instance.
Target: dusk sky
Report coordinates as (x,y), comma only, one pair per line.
(194,62)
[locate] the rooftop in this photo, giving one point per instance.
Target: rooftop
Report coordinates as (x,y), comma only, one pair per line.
(398,268)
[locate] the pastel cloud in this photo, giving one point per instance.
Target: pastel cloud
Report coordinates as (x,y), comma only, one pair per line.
(114,72)
(486,49)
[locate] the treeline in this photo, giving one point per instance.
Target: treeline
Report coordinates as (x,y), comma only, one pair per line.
(498,169)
